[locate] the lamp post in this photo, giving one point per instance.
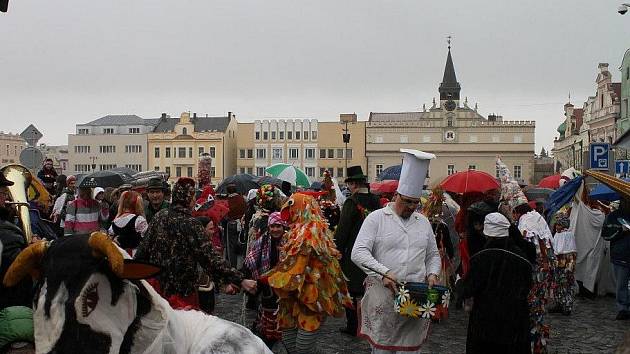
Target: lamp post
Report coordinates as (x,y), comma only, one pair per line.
(345,119)
(93,158)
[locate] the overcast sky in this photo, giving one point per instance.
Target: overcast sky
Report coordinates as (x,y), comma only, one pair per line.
(72,61)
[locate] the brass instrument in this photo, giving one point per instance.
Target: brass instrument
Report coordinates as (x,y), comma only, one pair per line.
(21,178)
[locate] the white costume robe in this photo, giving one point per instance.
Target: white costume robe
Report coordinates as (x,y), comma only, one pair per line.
(406,248)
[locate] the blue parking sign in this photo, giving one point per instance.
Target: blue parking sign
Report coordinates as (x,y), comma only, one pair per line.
(622,167)
(599,156)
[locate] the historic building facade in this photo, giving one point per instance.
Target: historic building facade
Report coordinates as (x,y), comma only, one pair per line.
(11,145)
(311,145)
(623,124)
(596,121)
(175,145)
(457,134)
(109,142)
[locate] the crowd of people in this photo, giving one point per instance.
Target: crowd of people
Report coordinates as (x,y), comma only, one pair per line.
(298,256)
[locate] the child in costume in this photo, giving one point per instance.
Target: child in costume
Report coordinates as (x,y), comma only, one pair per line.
(308,279)
(264,255)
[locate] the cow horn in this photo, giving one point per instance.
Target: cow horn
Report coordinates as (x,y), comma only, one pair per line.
(27,262)
(103,246)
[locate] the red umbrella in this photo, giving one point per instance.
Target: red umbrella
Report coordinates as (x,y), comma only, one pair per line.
(469,181)
(552,182)
(388,186)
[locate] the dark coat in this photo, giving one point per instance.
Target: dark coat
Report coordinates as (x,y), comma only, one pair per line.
(499,282)
(476,214)
(346,233)
(13,242)
(619,238)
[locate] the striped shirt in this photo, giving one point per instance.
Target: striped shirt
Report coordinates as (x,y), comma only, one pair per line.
(83,216)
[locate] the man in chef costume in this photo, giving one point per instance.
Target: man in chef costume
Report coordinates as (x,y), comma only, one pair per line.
(396,241)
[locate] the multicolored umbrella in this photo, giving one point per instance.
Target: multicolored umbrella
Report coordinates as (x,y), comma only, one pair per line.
(289,173)
(469,181)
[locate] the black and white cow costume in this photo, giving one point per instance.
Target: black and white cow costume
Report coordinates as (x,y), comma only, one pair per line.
(91,300)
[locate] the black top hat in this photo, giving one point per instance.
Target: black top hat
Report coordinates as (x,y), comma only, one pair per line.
(355,173)
(4,182)
(155,183)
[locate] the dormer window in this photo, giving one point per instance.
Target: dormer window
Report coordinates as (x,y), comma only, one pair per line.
(184,131)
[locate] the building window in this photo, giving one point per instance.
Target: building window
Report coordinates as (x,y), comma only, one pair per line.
(134,130)
(281,135)
(378,139)
(310,171)
(404,139)
(168,170)
(449,123)
(314,135)
(321,171)
(241,170)
(201,150)
(82,149)
(250,153)
(108,130)
(83,131)
(322,153)
(450,169)
(518,172)
(77,168)
(331,153)
(250,170)
(265,135)
(261,154)
(106,167)
(472,167)
(107,149)
(156,168)
(260,171)
(189,171)
(294,153)
(518,139)
(472,138)
(349,154)
(309,153)
(167,153)
(305,135)
(289,135)
(273,135)
(190,150)
(135,167)
(276,153)
(212,151)
(241,153)
(339,171)
(133,149)
(257,135)
(379,169)
(181,152)
(157,152)
(340,153)
(178,171)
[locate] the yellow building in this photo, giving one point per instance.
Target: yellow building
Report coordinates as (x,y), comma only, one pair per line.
(309,144)
(11,145)
(176,144)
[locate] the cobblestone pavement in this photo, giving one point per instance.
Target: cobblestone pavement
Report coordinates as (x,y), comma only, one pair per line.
(590,329)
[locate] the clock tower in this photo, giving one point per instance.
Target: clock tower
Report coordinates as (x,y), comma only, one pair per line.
(449,88)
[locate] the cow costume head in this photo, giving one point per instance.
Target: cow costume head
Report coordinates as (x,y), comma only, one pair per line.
(90,299)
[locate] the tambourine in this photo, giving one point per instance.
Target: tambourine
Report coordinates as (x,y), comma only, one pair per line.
(416,300)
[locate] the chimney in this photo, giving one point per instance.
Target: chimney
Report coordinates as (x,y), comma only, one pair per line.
(229,114)
(194,115)
(602,67)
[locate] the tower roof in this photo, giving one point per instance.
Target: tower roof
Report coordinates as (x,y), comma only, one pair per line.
(449,88)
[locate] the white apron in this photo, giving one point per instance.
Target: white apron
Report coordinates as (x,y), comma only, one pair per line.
(384,328)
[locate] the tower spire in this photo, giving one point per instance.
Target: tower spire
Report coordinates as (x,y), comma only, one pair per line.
(449,88)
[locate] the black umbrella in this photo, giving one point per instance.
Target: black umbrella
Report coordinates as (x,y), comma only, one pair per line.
(243,182)
(102,179)
(269,180)
(126,172)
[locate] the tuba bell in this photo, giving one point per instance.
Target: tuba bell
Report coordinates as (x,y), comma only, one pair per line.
(21,178)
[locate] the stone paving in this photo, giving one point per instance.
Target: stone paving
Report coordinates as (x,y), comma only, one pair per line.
(590,329)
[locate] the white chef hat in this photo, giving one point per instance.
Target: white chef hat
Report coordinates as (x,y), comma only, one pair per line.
(413,173)
(496,225)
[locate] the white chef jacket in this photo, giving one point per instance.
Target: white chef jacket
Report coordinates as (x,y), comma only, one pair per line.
(407,248)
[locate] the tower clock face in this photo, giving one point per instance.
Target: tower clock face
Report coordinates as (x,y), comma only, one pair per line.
(450,105)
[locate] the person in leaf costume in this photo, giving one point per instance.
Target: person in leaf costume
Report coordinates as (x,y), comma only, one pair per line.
(308,279)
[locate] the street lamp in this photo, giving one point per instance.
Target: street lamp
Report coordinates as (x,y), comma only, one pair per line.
(623,8)
(345,119)
(93,158)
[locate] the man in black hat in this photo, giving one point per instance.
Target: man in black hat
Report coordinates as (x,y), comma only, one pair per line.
(155,191)
(354,210)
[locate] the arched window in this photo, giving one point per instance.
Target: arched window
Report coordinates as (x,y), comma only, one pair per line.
(184,131)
